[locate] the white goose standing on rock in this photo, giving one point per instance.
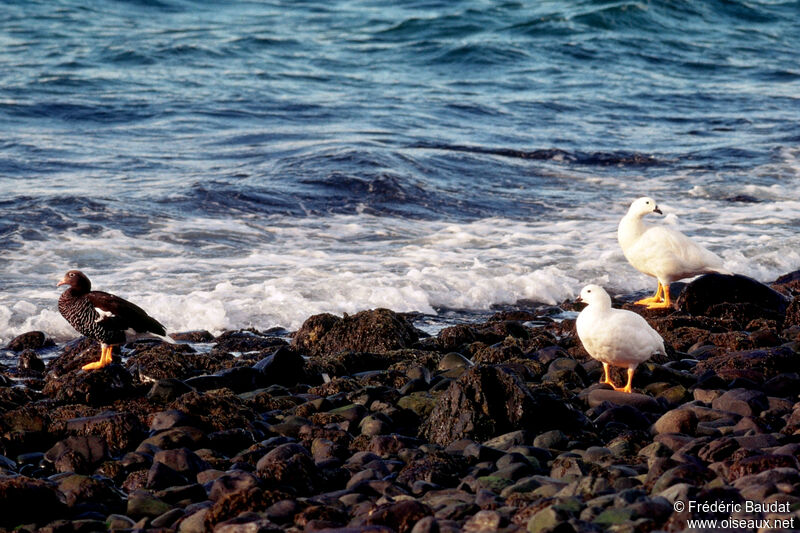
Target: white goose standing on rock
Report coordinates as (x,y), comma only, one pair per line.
(615,337)
(664,253)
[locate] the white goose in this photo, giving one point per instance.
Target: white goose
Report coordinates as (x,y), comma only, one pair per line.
(664,253)
(615,336)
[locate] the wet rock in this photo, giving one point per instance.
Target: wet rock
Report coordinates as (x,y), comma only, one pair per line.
(30,361)
(195,336)
(97,387)
(284,366)
(454,362)
(246,341)
(702,294)
(32,340)
(377,331)
(74,355)
(487,401)
(28,501)
(177,361)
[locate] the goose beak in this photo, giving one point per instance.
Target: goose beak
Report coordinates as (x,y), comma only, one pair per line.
(62,282)
(657,210)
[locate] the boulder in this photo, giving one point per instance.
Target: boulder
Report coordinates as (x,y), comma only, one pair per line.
(289,465)
(761,364)
(96,387)
(284,366)
(25,500)
(120,430)
(247,340)
(179,361)
(32,340)
(377,331)
(703,296)
(490,400)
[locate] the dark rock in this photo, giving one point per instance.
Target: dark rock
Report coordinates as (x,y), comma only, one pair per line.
(289,465)
(240,379)
(761,363)
(699,296)
(377,331)
(284,366)
(231,482)
(29,360)
(236,503)
(77,454)
(400,516)
(639,401)
(119,430)
(176,437)
(162,476)
(32,340)
(230,441)
(438,467)
(178,361)
(454,361)
(196,336)
(97,387)
(167,390)
(170,419)
(742,401)
(246,341)
(490,400)
(217,410)
(28,501)
(760,463)
(626,415)
(75,354)
(182,460)
(90,493)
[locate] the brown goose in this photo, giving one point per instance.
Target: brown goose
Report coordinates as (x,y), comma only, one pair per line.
(104,317)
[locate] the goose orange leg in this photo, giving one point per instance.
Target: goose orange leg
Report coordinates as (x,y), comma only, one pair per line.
(607,380)
(652,299)
(628,387)
(105,359)
(665,303)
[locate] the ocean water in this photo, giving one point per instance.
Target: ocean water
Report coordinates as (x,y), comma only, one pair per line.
(236,164)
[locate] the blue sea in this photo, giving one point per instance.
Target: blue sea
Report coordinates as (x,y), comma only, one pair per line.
(247,164)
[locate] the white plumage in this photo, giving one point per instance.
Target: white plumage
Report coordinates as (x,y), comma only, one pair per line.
(664,253)
(615,336)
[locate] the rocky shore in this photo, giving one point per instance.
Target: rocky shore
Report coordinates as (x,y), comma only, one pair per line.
(365,423)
